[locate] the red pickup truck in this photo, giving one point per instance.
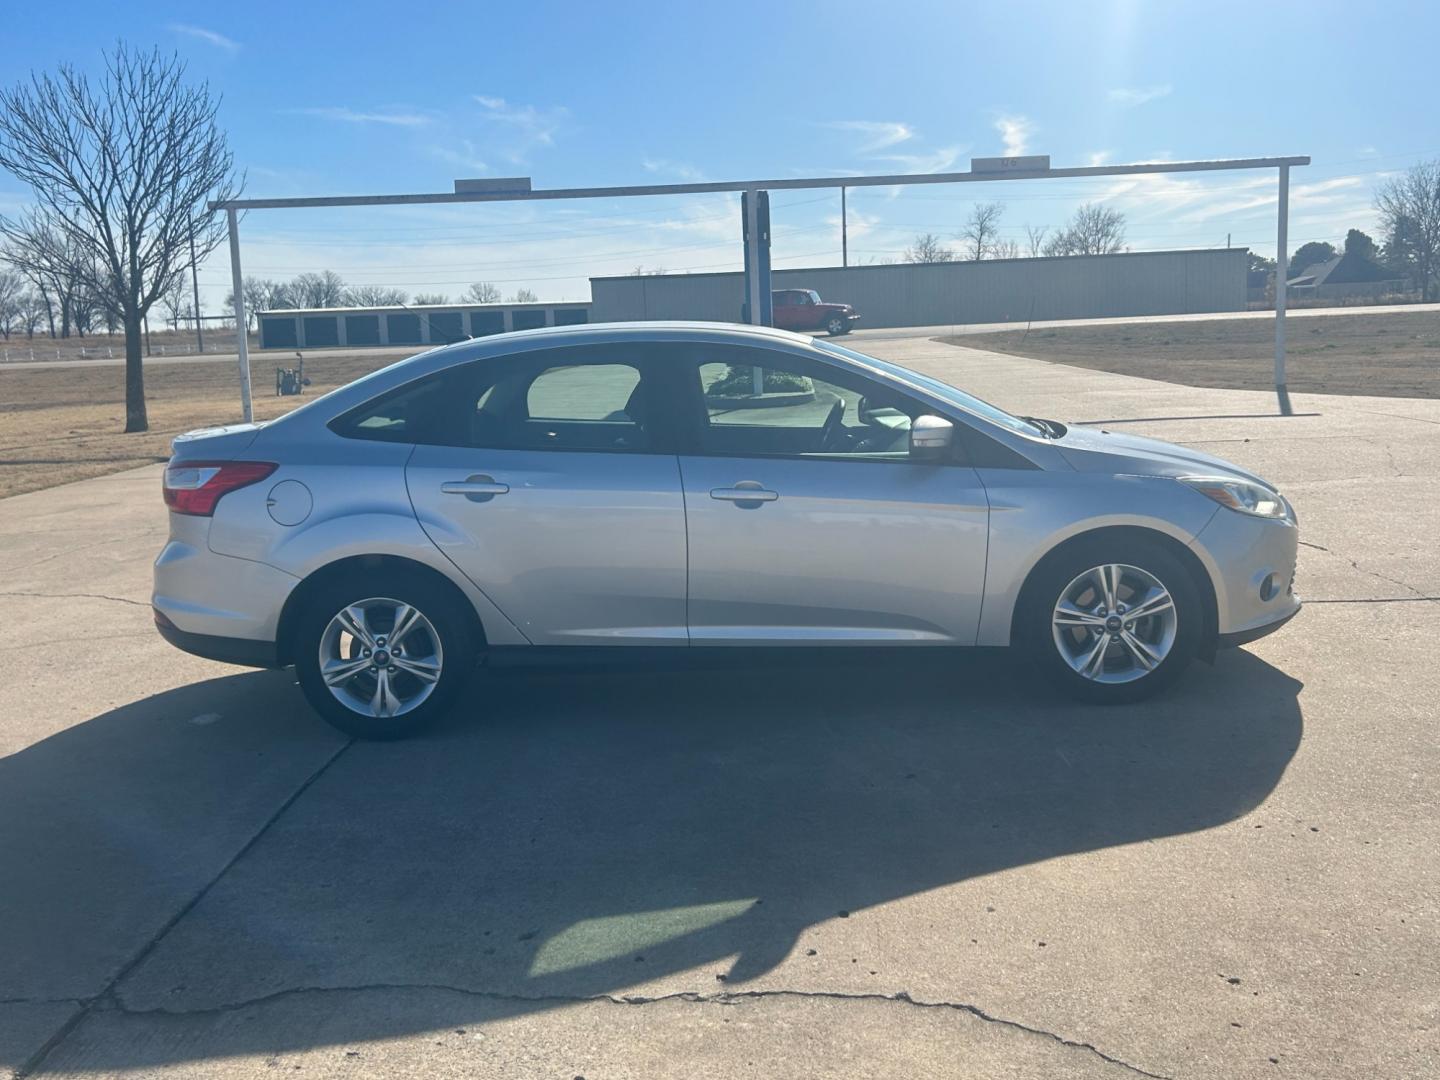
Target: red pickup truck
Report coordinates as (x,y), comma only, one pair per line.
(802,309)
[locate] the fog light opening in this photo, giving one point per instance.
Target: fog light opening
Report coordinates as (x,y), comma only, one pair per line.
(1267,588)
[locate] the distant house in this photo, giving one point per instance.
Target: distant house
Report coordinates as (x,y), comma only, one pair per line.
(1350,274)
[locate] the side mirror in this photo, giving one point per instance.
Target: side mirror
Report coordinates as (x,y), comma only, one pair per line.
(931,438)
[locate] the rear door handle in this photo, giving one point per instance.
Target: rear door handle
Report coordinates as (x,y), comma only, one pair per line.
(477,488)
(747,491)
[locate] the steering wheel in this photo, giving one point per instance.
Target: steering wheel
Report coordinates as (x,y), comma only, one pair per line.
(832,424)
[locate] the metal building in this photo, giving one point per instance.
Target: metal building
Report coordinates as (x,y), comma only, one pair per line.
(934,294)
(440,324)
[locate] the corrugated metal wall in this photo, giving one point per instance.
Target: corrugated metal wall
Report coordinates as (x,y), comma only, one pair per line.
(937,294)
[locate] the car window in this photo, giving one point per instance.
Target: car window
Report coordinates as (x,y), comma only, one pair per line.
(582,391)
(567,399)
(761,402)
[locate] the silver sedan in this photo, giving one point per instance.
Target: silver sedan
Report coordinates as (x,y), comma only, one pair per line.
(681,485)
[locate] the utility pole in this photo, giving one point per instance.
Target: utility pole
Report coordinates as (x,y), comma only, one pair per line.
(844,232)
(195,285)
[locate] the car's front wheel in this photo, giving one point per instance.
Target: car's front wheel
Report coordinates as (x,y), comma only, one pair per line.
(382,659)
(1112,621)
(836,325)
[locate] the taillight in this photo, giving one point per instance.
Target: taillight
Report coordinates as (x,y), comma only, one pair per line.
(194,487)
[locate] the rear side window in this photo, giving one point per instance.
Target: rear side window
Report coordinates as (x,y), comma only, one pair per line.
(582,392)
(564,399)
(418,412)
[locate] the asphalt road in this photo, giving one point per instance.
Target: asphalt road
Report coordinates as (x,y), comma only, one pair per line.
(843,869)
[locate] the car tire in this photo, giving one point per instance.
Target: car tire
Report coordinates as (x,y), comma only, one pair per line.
(437,640)
(1064,619)
(836,325)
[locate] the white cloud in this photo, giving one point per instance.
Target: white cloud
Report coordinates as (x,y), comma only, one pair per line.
(1015,131)
(1099,157)
(937,160)
(532,126)
(1130,96)
(463,153)
(679,169)
(210,37)
(876,134)
(343,114)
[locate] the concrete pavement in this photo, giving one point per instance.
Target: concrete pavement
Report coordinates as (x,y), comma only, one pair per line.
(916,868)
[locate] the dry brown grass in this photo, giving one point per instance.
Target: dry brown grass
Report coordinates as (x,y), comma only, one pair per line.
(1393,355)
(64,422)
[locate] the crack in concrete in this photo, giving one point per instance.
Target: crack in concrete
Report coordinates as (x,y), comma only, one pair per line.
(107,993)
(79,596)
(1420,594)
(115,1003)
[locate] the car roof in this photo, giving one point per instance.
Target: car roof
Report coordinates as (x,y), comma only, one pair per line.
(584,333)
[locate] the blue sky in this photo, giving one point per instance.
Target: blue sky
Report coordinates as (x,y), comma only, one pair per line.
(366,97)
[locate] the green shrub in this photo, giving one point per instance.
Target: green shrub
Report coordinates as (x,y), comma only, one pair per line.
(739,381)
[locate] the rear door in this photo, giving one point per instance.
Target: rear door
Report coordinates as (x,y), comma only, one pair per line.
(556,493)
(808,522)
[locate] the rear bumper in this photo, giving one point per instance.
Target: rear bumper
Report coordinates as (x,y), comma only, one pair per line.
(227,650)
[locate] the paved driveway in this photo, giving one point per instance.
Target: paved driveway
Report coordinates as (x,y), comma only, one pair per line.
(920,867)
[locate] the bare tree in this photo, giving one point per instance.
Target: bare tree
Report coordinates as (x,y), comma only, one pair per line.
(176,301)
(1094,230)
(1005,249)
(982,231)
(482,292)
(523,296)
(1409,208)
(55,265)
(12,290)
(375,296)
(124,168)
(927,248)
(32,312)
(322,290)
(431,299)
(1035,238)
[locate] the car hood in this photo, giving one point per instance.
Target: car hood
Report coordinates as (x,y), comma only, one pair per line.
(1099,450)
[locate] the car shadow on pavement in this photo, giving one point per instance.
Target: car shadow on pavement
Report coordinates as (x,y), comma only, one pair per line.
(574,833)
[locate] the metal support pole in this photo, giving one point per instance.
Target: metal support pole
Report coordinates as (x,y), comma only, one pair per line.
(750,212)
(195,285)
(241,338)
(1282,393)
(844,232)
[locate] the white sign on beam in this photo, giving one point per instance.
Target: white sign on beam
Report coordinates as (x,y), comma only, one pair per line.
(1033,163)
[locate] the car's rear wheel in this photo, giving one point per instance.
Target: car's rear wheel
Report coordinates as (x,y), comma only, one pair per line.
(382,659)
(836,325)
(1111,621)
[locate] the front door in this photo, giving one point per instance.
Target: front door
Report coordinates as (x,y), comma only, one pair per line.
(807,520)
(555,495)
(785,312)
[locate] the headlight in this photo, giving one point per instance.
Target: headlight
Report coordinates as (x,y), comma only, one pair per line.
(1240,495)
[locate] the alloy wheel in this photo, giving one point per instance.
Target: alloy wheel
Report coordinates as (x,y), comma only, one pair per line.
(380,657)
(1114,623)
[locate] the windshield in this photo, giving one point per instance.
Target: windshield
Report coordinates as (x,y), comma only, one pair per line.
(814,296)
(938,388)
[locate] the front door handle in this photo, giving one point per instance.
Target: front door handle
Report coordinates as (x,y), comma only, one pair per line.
(477,488)
(746,491)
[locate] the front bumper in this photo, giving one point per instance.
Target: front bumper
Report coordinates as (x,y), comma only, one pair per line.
(1252,565)
(1255,633)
